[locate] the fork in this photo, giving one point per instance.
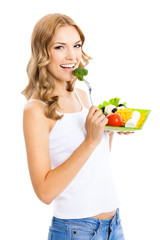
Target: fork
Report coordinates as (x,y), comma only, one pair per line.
(89,88)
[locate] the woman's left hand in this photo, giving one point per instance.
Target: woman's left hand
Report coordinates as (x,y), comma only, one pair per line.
(124,133)
(120,133)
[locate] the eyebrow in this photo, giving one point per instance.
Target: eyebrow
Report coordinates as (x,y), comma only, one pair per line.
(65,43)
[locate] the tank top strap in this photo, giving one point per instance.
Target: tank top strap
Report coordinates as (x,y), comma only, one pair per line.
(78,98)
(36,100)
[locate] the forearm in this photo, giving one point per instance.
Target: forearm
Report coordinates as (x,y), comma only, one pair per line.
(111,134)
(59,178)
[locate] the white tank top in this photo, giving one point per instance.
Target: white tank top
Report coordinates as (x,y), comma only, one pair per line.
(92,190)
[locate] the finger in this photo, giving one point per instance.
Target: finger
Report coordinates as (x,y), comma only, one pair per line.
(124,133)
(98,114)
(104,122)
(100,119)
(92,110)
(121,133)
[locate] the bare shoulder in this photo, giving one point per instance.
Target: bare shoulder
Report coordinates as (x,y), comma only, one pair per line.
(84,97)
(34,119)
(33,114)
(32,106)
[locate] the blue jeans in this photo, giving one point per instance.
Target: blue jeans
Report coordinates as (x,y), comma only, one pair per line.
(86,229)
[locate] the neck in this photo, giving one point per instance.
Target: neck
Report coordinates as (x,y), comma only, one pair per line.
(61,90)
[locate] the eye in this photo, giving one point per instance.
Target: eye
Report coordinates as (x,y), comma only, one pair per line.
(59,47)
(78,45)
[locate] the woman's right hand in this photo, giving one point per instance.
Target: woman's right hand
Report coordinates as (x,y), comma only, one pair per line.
(94,125)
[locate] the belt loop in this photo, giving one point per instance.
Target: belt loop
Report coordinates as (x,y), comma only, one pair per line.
(99,224)
(111,223)
(117,217)
(53,218)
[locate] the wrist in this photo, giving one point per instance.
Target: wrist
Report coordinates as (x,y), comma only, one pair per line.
(90,143)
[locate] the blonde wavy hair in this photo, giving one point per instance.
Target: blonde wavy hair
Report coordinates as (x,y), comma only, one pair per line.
(40,79)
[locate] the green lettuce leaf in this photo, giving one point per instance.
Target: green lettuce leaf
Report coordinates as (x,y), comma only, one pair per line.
(113,101)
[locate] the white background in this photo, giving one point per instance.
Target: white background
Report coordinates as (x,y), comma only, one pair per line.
(123,37)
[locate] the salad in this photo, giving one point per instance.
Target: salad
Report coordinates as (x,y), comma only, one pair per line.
(121,117)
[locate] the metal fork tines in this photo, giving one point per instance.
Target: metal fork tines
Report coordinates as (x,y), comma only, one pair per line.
(90,89)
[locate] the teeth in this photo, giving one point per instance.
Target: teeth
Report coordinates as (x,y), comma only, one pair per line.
(68,65)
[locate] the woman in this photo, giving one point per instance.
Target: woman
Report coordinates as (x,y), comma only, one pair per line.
(67,148)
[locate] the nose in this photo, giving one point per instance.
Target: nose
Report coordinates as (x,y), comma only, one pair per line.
(70,54)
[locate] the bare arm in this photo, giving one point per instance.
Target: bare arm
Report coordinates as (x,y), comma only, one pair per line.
(47,183)
(111,134)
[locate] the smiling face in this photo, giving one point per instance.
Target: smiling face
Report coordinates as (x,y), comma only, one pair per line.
(66,53)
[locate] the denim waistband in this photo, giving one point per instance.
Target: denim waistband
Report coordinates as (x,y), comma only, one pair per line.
(90,222)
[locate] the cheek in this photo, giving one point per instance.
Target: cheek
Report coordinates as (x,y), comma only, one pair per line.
(52,68)
(49,67)
(56,57)
(55,62)
(79,55)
